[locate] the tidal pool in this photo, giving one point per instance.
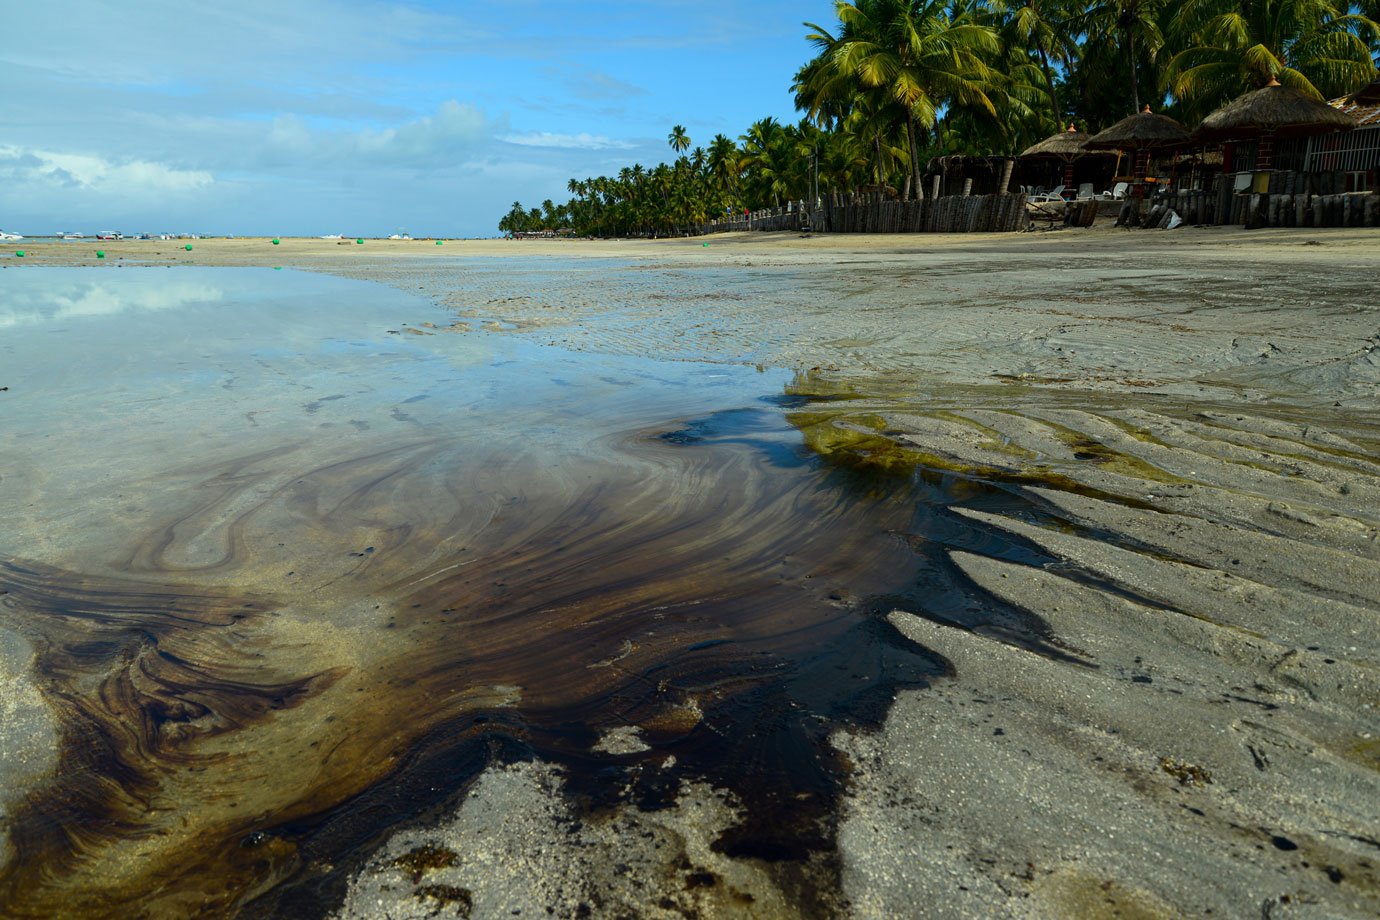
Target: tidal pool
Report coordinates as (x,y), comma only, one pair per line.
(286,559)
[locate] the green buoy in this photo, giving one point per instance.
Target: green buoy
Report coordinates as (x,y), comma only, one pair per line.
(19,252)
(360,242)
(277,268)
(188,247)
(100,253)
(438,242)
(275,241)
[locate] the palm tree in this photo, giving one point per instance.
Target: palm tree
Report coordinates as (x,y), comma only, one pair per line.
(722,165)
(918,54)
(845,159)
(896,78)
(1041,27)
(1315,46)
(1132,24)
(762,159)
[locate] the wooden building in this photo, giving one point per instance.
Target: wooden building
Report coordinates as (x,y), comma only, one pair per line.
(1355,154)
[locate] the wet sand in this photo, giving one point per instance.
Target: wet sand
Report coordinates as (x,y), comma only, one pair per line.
(1188,725)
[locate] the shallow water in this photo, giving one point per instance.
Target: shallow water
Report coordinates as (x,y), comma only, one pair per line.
(292,561)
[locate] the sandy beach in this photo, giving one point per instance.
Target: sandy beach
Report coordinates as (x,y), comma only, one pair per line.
(1194,729)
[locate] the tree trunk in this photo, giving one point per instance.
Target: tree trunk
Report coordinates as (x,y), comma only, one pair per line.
(1135,87)
(877,146)
(1053,90)
(914,157)
(1007,168)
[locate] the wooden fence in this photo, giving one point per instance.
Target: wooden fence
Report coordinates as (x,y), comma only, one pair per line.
(873,213)
(1294,200)
(1225,206)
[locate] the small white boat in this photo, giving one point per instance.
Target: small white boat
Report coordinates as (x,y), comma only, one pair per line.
(10,236)
(110,235)
(330,236)
(73,236)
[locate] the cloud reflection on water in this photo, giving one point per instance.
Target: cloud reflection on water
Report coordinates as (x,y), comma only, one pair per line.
(93,299)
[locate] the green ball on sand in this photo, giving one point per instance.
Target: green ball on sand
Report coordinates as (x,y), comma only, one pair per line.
(275,241)
(438,242)
(100,253)
(188,247)
(360,242)
(19,253)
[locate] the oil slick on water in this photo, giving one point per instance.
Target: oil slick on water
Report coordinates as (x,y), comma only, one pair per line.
(280,548)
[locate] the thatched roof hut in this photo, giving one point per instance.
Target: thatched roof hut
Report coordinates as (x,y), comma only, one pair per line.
(1276,110)
(1064,145)
(1142,131)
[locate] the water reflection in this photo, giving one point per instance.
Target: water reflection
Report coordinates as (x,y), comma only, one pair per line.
(32,304)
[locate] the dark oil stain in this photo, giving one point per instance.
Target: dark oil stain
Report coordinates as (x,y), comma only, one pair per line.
(144,678)
(418,861)
(447,896)
(738,633)
(313,407)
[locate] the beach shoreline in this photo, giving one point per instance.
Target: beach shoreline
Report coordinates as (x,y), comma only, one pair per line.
(787,245)
(1200,409)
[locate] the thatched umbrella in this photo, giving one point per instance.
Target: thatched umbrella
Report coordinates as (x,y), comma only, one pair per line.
(1063,145)
(1269,112)
(1066,146)
(1143,131)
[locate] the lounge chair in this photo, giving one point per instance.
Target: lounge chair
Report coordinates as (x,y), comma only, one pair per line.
(1118,192)
(1085,191)
(1055,194)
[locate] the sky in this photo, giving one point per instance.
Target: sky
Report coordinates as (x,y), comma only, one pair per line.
(368,117)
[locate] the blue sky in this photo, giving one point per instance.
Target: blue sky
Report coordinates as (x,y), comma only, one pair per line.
(367,117)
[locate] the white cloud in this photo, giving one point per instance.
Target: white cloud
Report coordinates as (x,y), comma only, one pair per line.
(581,141)
(444,138)
(428,139)
(94,174)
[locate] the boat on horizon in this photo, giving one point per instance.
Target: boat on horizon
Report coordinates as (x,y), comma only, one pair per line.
(10,236)
(62,234)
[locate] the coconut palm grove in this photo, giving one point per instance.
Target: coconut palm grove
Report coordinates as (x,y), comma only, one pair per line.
(894,83)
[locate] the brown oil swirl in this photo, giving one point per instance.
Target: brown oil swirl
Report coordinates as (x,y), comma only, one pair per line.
(284,638)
